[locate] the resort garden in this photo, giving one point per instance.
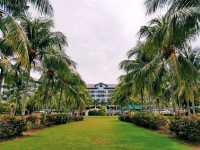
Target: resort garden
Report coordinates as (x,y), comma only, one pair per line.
(31,46)
(161,76)
(161,73)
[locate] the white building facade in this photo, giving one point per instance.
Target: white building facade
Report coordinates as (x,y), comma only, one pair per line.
(101,93)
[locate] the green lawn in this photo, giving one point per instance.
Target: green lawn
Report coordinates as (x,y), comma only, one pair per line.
(95,133)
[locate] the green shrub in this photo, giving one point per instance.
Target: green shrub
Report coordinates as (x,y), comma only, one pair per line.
(146,120)
(198,110)
(187,128)
(12,128)
(4,108)
(126,118)
(77,118)
(55,119)
(97,113)
(31,122)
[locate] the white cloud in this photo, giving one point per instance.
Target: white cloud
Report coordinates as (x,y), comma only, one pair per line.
(99,32)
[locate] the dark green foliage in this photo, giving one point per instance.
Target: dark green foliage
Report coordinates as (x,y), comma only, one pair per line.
(56,119)
(149,120)
(4,108)
(146,120)
(97,113)
(198,110)
(187,128)
(12,128)
(126,118)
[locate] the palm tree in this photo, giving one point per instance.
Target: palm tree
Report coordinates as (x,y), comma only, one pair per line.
(13,45)
(20,7)
(41,38)
(189,65)
(181,14)
(169,42)
(143,71)
(76,94)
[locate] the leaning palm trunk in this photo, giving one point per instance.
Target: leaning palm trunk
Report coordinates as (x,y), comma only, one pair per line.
(174,105)
(188,108)
(150,103)
(46,95)
(60,99)
(179,105)
(142,98)
(193,106)
(1,81)
(192,100)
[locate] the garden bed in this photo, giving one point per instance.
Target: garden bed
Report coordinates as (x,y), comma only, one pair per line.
(11,127)
(185,128)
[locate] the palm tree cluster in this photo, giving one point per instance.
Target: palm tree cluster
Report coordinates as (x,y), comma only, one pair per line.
(29,45)
(162,70)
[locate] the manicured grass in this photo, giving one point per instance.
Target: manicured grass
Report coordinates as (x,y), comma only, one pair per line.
(95,133)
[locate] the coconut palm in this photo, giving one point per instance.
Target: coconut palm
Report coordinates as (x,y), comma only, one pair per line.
(76,94)
(123,92)
(41,38)
(143,70)
(189,85)
(13,45)
(13,41)
(181,13)
(20,7)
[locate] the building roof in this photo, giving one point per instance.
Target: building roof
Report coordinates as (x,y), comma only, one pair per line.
(91,86)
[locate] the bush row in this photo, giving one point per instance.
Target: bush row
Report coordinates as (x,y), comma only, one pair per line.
(96,113)
(56,119)
(187,128)
(146,120)
(12,127)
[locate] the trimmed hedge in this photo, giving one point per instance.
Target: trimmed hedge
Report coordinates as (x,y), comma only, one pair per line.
(12,128)
(146,120)
(187,128)
(56,119)
(96,113)
(126,118)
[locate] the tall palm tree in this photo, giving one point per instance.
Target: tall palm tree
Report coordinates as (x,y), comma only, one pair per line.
(143,70)
(180,13)
(20,7)
(189,66)
(41,38)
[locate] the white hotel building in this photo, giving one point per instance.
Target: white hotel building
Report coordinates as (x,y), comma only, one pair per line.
(101,93)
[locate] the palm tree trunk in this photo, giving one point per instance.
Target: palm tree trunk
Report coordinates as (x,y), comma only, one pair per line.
(1,81)
(150,103)
(193,106)
(188,107)
(61,93)
(179,105)
(142,97)
(46,94)
(174,105)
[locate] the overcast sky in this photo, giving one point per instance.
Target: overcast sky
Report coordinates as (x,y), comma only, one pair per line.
(99,32)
